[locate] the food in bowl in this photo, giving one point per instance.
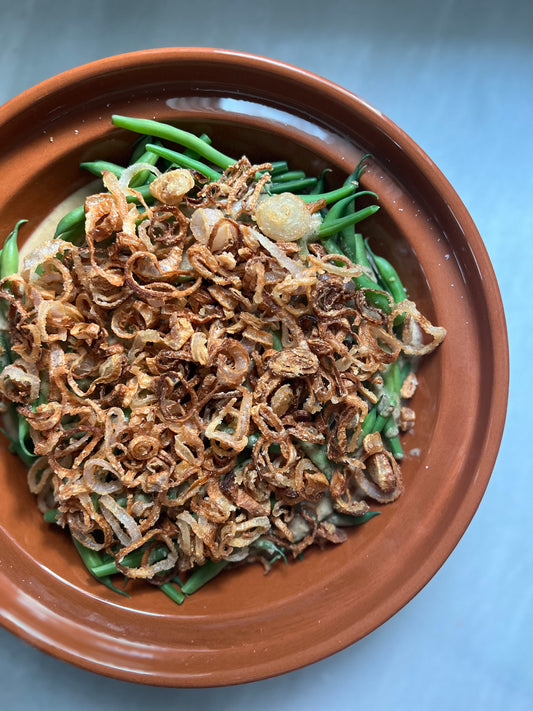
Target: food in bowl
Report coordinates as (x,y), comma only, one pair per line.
(207,365)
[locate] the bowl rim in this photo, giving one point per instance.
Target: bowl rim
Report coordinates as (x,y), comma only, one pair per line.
(465,512)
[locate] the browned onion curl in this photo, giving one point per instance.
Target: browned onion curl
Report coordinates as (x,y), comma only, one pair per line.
(206,386)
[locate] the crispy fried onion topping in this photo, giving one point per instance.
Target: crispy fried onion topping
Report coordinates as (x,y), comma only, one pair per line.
(180,369)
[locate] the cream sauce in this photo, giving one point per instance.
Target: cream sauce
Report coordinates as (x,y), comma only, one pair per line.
(44,232)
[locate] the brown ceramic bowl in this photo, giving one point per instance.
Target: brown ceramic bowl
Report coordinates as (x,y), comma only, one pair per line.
(245,626)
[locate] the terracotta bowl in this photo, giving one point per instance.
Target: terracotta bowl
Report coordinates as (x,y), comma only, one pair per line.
(246,626)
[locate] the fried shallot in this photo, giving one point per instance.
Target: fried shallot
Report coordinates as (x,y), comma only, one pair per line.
(196,386)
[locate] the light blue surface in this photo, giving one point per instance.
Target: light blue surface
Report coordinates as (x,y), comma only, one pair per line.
(458,77)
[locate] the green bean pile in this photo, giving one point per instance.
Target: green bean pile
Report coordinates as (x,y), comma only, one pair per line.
(346,451)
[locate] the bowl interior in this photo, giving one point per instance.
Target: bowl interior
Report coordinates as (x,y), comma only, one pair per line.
(245,626)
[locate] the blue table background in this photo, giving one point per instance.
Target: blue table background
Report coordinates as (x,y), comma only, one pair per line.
(458,77)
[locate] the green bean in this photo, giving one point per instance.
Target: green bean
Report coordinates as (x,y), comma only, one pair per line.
(320,186)
(330,196)
(390,428)
(339,224)
(391,387)
(380,425)
(393,378)
(390,278)
(360,252)
(97,167)
(252,439)
(76,217)
(14,445)
(339,519)
(337,209)
(72,219)
(360,167)
(92,559)
(184,161)
(95,500)
(270,547)
(5,351)
(195,149)
(145,176)
(392,381)
(278,168)
(331,246)
(397,379)
(51,515)
(166,132)
(140,148)
(24,434)
(368,423)
(74,235)
(11,416)
(395,447)
(292,186)
(373,295)
(404,368)
(348,243)
(172,592)
(132,560)
(351,242)
(318,454)
(203,575)
(353,178)
(290,175)
(189,152)
(9,259)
